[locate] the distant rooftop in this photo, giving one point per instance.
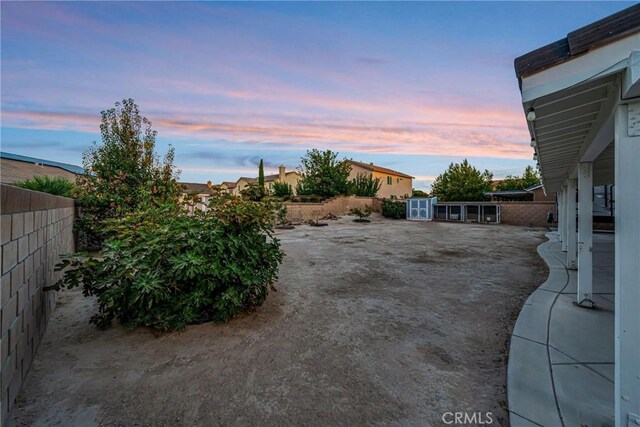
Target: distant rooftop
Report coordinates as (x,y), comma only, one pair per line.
(66,166)
(376,168)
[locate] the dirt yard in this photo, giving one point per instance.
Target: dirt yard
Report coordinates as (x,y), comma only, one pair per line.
(392,322)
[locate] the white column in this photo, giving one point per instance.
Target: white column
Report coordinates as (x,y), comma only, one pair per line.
(563,218)
(627,276)
(572,236)
(560,216)
(585,234)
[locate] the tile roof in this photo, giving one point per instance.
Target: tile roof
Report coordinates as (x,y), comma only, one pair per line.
(375,168)
(198,187)
(604,31)
(65,166)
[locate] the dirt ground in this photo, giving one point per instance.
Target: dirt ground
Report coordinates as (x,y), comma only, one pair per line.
(392,322)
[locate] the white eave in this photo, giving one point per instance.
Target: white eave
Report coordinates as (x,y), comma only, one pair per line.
(574,103)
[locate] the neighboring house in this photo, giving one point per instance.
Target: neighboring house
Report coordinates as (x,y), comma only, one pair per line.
(535,193)
(395,185)
(229,187)
(291,178)
(203,191)
(16,168)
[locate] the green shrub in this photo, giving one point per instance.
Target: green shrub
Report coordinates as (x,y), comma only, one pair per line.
(253,192)
(323,174)
(165,268)
(56,185)
(124,173)
(419,193)
(307,199)
(362,214)
(365,185)
(394,209)
(282,189)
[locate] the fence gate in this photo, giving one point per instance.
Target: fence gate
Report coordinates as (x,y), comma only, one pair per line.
(419,209)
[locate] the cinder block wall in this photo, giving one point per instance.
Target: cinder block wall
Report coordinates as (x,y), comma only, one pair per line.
(302,212)
(36,228)
(526,213)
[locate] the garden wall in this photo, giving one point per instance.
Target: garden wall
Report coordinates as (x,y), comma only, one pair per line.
(302,212)
(36,228)
(526,213)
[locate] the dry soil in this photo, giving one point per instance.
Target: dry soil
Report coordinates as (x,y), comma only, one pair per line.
(391,322)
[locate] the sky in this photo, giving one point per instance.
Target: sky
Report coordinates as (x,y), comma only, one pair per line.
(406,85)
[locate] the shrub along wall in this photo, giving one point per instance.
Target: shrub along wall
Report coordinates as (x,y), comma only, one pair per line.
(341,205)
(36,228)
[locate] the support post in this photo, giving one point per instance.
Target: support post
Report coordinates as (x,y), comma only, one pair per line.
(572,237)
(627,269)
(560,216)
(563,219)
(585,235)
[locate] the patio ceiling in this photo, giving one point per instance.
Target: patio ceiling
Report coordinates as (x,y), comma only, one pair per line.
(568,120)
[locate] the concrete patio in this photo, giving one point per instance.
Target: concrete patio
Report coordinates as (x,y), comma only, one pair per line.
(561,361)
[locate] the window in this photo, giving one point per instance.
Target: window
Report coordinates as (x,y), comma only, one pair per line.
(389,180)
(398,180)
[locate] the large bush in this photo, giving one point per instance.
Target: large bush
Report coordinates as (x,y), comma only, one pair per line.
(323,174)
(394,209)
(56,185)
(165,268)
(282,189)
(462,182)
(124,173)
(365,185)
(528,179)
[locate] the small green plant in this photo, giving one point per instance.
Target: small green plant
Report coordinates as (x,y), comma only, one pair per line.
(394,209)
(362,214)
(365,185)
(56,185)
(282,189)
(165,268)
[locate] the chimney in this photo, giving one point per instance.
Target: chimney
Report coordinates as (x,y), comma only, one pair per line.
(282,172)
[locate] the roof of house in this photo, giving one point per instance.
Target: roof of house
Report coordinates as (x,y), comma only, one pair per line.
(248,179)
(514,193)
(229,184)
(267,178)
(508,193)
(374,168)
(65,166)
(604,31)
(198,188)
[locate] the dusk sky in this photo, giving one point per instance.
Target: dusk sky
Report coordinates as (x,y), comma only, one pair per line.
(410,86)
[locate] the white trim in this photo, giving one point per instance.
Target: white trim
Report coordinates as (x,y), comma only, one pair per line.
(597,63)
(627,271)
(584,293)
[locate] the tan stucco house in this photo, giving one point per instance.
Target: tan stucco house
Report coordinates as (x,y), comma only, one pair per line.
(203,191)
(16,168)
(395,185)
(291,178)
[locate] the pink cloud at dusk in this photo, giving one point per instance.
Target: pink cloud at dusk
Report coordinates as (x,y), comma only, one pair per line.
(429,138)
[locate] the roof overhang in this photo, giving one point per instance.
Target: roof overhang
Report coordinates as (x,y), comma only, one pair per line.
(574,104)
